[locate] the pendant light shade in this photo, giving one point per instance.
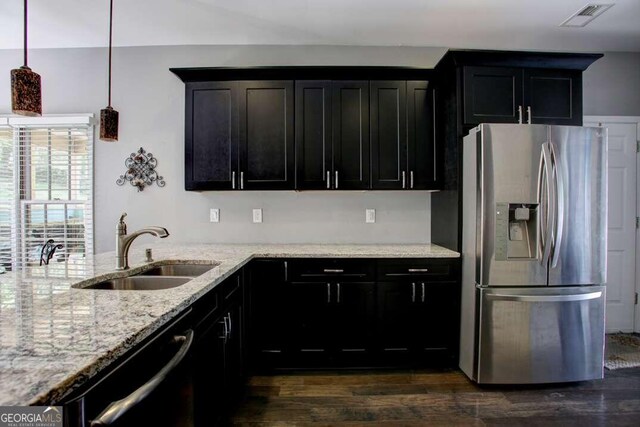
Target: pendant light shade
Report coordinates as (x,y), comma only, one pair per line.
(109,116)
(26,87)
(109,124)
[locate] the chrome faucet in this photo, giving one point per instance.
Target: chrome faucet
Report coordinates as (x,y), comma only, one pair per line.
(124,240)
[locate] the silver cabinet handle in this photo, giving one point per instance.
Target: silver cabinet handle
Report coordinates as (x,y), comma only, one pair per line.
(338,287)
(328,293)
(413,292)
(225,333)
(520,114)
(328,180)
(336,183)
(411,178)
(418,270)
(423,292)
(404,180)
(242,180)
(333,270)
(546,298)
(120,407)
(286,271)
(529,114)
(233,180)
(229,317)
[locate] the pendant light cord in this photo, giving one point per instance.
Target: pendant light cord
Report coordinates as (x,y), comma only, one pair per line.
(110,40)
(25,33)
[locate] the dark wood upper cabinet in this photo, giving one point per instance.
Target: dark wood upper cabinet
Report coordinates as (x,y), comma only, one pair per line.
(314,166)
(211,135)
(266,135)
(492,95)
(350,123)
(553,96)
(522,95)
(388,135)
(403,144)
(423,158)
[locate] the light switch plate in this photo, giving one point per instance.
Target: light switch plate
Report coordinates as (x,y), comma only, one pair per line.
(257,215)
(214,215)
(370,216)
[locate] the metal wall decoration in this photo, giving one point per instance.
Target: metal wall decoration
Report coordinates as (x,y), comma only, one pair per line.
(141,170)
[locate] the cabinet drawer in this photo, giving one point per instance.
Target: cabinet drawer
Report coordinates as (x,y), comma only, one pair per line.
(323,270)
(230,287)
(428,269)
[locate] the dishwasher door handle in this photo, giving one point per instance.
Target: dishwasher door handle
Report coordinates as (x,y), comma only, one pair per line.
(117,409)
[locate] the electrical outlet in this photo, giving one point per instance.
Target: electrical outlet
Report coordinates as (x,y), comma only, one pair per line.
(370,216)
(214,215)
(257,215)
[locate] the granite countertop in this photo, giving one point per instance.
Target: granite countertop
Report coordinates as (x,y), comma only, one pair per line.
(54,337)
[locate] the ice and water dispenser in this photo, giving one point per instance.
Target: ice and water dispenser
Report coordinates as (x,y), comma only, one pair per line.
(516,231)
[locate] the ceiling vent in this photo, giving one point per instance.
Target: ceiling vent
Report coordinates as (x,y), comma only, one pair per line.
(586,14)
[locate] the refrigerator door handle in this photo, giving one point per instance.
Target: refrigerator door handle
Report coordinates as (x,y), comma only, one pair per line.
(544,181)
(546,298)
(559,214)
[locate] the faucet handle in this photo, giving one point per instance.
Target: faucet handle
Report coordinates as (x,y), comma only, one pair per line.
(121,228)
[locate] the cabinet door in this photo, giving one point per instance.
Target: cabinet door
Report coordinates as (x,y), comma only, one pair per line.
(311,322)
(313,135)
(396,327)
(233,361)
(492,95)
(350,123)
(209,372)
(422,154)
(270,306)
(266,135)
(554,96)
(388,103)
(211,135)
(438,318)
(354,322)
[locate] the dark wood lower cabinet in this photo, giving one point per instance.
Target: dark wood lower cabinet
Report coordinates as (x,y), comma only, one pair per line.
(332,320)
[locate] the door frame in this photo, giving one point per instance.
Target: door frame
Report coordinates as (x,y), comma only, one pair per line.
(636,121)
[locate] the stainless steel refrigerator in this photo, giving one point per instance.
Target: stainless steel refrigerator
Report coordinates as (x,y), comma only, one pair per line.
(534,238)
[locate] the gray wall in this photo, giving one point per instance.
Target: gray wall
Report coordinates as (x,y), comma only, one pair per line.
(612,85)
(150,100)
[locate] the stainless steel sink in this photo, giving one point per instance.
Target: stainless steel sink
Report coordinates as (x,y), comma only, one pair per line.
(184,270)
(140,283)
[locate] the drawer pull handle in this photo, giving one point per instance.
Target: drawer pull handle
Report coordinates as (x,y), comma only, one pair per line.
(418,270)
(333,270)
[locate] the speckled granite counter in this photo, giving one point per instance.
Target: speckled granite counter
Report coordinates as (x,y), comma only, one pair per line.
(53,337)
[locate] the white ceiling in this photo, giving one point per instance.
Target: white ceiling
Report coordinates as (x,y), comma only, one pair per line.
(493,24)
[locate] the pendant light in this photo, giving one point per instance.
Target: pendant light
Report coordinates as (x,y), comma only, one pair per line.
(109,116)
(26,88)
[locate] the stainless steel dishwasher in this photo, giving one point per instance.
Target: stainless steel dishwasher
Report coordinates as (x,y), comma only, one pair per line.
(150,387)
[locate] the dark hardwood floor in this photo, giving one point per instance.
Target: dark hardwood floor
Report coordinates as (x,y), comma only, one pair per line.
(435,398)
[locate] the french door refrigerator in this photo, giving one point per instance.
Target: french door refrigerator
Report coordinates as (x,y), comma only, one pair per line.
(534,238)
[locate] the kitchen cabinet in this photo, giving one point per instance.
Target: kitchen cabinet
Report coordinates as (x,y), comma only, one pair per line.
(266,144)
(332,135)
(418,311)
(218,365)
(354,312)
(211,136)
(403,143)
(522,95)
(239,136)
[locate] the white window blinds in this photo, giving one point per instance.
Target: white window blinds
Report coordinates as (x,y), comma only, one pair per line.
(46,191)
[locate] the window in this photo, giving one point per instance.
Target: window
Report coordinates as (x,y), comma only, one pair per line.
(46,191)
